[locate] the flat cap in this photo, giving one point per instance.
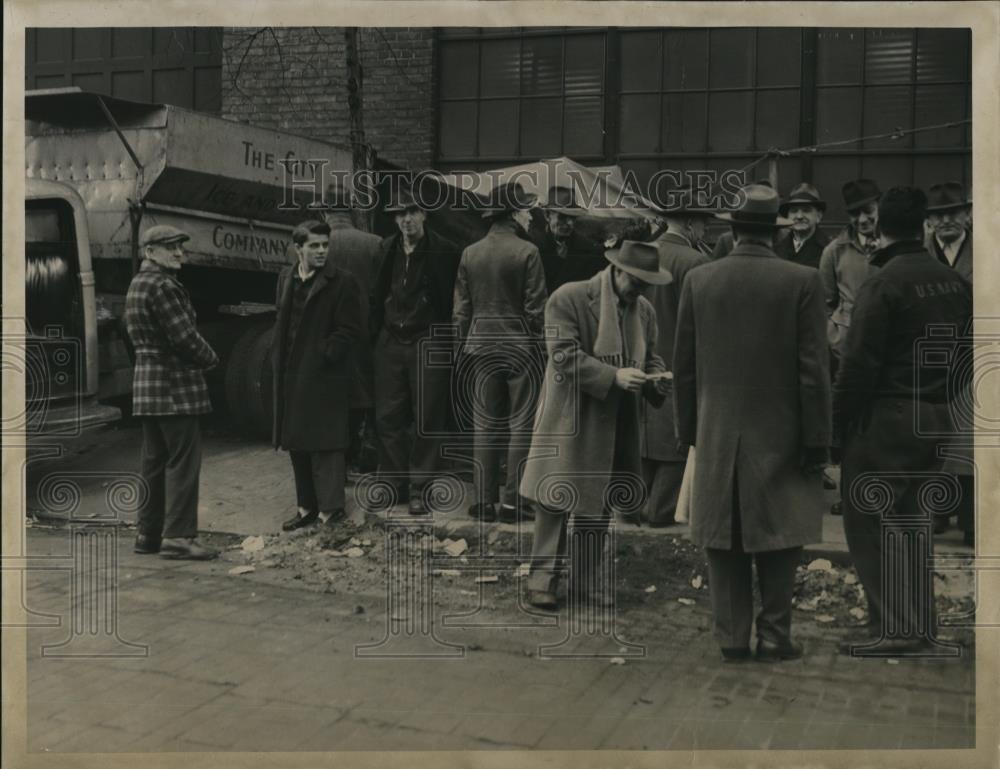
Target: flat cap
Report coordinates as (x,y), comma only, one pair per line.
(163,234)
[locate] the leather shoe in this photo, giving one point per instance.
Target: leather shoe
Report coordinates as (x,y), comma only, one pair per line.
(336,516)
(146,544)
(483,512)
(735,654)
(543,599)
(186,549)
(768,651)
(298,521)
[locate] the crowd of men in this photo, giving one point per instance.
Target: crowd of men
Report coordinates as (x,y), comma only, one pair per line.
(739,372)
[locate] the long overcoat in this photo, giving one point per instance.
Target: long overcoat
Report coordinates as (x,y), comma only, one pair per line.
(751,391)
(659,438)
(313,375)
(573,447)
(360,254)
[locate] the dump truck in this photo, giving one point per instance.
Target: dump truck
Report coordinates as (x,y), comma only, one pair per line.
(99,170)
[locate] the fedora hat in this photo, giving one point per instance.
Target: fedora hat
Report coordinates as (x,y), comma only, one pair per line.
(640,259)
(860,192)
(759,209)
(507,197)
(563,200)
(402,201)
(946,196)
(804,194)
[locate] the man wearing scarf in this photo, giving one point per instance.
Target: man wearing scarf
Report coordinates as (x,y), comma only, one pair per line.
(585,450)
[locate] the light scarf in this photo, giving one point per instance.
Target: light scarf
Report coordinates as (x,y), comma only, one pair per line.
(610,347)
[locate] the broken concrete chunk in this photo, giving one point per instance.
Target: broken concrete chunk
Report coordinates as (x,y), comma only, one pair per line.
(686,601)
(237,570)
(455,548)
(820,564)
(354,552)
(651,589)
(252,544)
(824,618)
(850,579)
(446,573)
(617,660)
(488,578)
(697,582)
(857,613)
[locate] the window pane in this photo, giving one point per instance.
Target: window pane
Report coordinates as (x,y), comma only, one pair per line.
(838,114)
(457,131)
(940,104)
(888,108)
(640,123)
(584,65)
(541,127)
(943,54)
(839,54)
(888,55)
(888,171)
(730,121)
(641,61)
(779,56)
(500,68)
(732,58)
(685,58)
(934,169)
(498,128)
(684,122)
(583,131)
(777,119)
(87,44)
(541,66)
(459,69)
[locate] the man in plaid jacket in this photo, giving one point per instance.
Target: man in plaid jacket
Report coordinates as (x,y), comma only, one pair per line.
(168,392)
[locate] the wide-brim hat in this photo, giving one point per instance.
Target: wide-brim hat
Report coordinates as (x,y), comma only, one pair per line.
(640,259)
(402,201)
(508,197)
(860,193)
(946,196)
(759,209)
(562,200)
(804,194)
(163,235)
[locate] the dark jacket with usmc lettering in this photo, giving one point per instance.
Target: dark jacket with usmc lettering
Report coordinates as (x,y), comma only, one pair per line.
(909,319)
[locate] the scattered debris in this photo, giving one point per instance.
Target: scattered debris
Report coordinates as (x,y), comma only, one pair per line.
(492,537)
(354,542)
(366,543)
(617,660)
(851,579)
(252,544)
(455,548)
(359,609)
(820,564)
(488,578)
(686,601)
(857,612)
(268,564)
(892,661)
(651,589)
(522,570)
(468,592)
(446,573)
(697,582)
(335,553)
(825,618)
(354,552)
(237,570)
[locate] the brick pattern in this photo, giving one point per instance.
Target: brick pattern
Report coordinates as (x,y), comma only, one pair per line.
(295,79)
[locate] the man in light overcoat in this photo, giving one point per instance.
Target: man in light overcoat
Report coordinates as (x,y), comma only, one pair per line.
(752,394)
(585,451)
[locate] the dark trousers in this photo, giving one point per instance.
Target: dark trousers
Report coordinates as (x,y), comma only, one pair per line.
(730,574)
(319,480)
(663,485)
(888,456)
(170,467)
(361,453)
(585,537)
(503,417)
(411,409)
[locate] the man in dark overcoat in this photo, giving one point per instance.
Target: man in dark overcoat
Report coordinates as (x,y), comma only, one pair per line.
(803,243)
(890,411)
(601,358)
(413,295)
(662,461)
(752,394)
(499,315)
(358,253)
(567,256)
(169,394)
(317,327)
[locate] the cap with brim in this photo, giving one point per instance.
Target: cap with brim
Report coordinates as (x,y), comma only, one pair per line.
(803,195)
(641,260)
(163,235)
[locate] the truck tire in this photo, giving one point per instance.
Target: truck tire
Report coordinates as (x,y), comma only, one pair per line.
(248,383)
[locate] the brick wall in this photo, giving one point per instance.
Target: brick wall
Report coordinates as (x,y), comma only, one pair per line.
(294,79)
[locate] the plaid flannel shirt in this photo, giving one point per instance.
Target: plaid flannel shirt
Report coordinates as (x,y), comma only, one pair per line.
(170,354)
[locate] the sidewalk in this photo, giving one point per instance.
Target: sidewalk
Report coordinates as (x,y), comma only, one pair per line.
(235,663)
